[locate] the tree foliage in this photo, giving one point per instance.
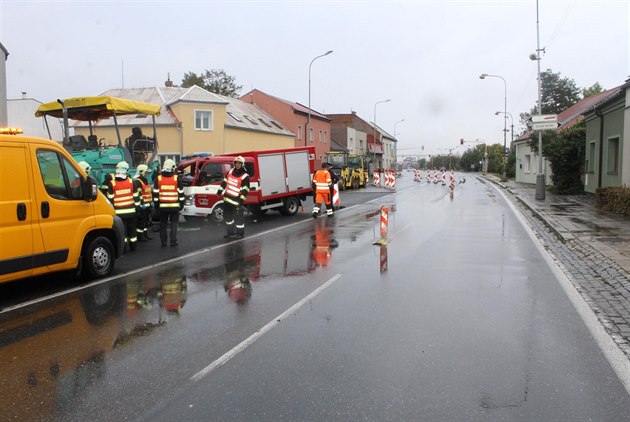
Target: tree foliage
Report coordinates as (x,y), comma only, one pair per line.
(557,94)
(596,88)
(565,152)
(213,80)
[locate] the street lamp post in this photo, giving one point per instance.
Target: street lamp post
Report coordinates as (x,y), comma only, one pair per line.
(395,124)
(496,113)
(483,76)
(484,166)
(374,140)
(308,122)
(511,124)
(395,151)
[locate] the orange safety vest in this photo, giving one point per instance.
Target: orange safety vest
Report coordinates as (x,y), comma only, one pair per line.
(168,195)
(322,181)
(233,186)
(124,202)
(147,196)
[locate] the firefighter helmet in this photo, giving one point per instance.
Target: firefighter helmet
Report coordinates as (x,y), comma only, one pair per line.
(85,166)
(239,159)
(169,166)
(122,168)
(142,170)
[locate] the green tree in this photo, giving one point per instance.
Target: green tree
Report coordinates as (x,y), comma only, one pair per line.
(557,94)
(565,152)
(213,80)
(472,158)
(596,88)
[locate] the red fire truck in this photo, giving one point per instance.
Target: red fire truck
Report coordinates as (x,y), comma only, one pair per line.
(279,179)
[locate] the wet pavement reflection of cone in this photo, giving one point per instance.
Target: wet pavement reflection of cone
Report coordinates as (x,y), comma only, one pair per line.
(383,227)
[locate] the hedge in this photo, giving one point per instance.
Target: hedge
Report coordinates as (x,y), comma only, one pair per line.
(615,200)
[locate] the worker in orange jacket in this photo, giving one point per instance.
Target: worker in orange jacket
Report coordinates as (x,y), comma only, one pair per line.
(322,184)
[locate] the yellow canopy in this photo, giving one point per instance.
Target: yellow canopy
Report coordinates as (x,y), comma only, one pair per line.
(96,108)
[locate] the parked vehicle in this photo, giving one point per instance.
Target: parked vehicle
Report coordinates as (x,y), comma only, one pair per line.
(52,216)
(101,158)
(279,179)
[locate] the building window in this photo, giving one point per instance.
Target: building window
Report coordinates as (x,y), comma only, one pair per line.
(321,136)
(325,137)
(276,124)
(233,116)
(310,135)
(528,163)
(613,156)
(299,131)
(264,123)
(590,159)
(252,121)
(203,120)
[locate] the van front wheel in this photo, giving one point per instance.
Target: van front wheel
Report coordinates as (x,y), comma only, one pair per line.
(98,258)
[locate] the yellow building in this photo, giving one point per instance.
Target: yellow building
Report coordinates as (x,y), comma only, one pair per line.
(193,120)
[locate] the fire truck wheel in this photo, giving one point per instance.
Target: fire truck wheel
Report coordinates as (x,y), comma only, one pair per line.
(290,207)
(218,213)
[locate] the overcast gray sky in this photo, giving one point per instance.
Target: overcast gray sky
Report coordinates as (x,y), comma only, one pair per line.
(426,56)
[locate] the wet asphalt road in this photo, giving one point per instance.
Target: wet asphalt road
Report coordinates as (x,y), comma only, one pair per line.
(458,318)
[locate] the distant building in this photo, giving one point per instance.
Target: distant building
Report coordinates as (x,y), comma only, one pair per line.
(527,161)
(295,116)
(193,120)
(21,114)
(364,138)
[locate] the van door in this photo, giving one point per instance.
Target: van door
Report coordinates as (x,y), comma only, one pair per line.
(18,220)
(65,217)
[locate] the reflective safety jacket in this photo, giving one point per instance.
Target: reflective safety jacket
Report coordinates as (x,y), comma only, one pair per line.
(168,191)
(235,187)
(123,196)
(322,181)
(146,191)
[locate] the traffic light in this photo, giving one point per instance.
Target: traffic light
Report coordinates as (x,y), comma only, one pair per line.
(461,141)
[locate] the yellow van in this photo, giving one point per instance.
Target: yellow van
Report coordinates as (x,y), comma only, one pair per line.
(52,216)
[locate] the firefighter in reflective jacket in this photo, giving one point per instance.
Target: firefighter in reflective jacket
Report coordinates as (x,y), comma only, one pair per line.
(144,216)
(322,184)
(168,197)
(124,194)
(234,189)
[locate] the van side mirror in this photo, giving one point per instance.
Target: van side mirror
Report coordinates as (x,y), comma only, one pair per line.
(90,190)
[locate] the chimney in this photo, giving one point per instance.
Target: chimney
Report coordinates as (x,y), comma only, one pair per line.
(24,95)
(168,82)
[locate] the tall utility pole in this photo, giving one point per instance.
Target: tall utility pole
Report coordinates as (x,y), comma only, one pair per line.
(540,177)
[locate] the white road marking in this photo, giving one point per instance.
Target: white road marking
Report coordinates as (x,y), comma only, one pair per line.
(251,339)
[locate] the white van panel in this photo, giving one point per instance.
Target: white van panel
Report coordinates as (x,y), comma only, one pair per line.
(272,174)
(298,170)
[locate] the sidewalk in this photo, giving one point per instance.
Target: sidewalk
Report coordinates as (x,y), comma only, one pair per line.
(592,248)
(576,218)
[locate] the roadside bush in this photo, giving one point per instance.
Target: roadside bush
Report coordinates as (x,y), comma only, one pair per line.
(615,200)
